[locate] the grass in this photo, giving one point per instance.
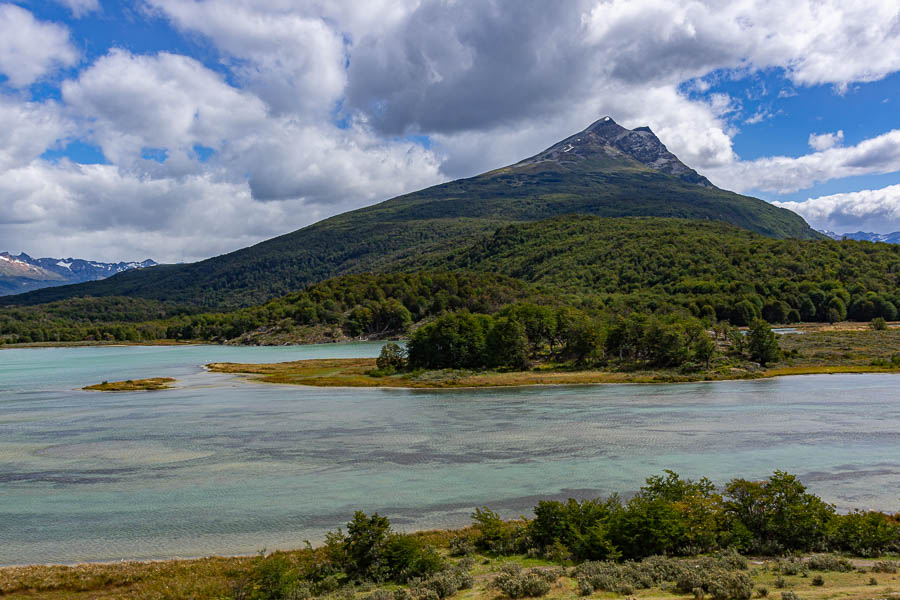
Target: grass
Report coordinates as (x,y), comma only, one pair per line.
(132,385)
(815,351)
(212,578)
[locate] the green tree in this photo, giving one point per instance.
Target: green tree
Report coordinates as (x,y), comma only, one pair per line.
(507,344)
(392,356)
(762,343)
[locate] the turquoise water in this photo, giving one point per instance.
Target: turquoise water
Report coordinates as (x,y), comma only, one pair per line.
(219,465)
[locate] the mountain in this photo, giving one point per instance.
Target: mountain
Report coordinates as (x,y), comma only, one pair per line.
(23,273)
(865,236)
(605,170)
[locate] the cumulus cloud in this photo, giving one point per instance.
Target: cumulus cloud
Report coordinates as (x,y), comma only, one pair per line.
(30,49)
(824,141)
(163,101)
(866,210)
(268,173)
(290,57)
(80,8)
(785,174)
(316,104)
(27,129)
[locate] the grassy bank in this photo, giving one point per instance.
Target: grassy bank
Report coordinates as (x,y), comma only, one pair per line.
(132,385)
(220,578)
(815,351)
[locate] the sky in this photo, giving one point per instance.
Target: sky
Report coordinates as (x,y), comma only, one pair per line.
(182,129)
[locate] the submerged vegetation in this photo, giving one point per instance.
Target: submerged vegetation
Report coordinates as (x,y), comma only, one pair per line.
(132,385)
(675,538)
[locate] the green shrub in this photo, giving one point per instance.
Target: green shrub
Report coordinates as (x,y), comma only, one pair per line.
(885,566)
(818,580)
(789,595)
(829,562)
(762,591)
(392,356)
(878,324)
(515,582)
(461,545)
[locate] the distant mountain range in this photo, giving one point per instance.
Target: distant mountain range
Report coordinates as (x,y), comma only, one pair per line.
(605,170)
(864,236)
(23,273)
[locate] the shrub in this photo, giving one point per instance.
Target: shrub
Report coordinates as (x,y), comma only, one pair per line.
(720,584)
(885,566)
(792,566)
(762,591)
(515,582)
(789,595)
(448,582)
(496,535)
(392,356)
(818,580)
(461,545)
(829,562)
(878,324)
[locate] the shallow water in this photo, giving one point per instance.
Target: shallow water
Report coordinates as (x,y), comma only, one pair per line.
(219,465)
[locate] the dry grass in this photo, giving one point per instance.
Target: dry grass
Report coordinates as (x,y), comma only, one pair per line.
(132,385)
(352,372)
(212,578)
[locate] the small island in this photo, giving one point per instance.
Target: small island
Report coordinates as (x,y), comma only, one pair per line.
(132,385)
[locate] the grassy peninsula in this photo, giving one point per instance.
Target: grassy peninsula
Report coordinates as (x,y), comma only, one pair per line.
(820,349)
(132,385)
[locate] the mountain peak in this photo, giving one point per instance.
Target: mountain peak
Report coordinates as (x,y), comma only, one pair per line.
(605,139)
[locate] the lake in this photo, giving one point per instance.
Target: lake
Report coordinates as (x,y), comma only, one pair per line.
(221,465)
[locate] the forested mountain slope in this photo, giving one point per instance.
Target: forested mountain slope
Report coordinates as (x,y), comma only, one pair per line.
(605,170)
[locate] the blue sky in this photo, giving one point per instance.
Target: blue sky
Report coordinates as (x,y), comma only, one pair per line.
(181,129)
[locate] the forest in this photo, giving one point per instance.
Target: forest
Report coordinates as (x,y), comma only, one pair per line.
(604,268)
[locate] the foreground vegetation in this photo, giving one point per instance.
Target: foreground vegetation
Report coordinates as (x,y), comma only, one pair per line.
(132,385)
(676,538)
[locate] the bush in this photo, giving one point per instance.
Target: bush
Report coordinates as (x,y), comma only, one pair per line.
(495,535)
(720,584)
(878,324)
(792,566)
(789,595)
(391,357)
(446,583)
(515,582)
(885,566)
(461,545)
(818,580)
(829,562)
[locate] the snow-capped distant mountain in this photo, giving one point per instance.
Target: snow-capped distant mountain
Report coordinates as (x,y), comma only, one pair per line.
(865,236)
(23,273)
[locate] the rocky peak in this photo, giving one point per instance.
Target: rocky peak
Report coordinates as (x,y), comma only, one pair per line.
(607,139)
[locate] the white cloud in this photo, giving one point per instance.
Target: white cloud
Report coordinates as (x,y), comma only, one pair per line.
(866,210)
(80,8)
(785,174)
(824,141)
(30,49)
(488,82)
(164,101)
(27,129)
(288,56)
(269,174)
